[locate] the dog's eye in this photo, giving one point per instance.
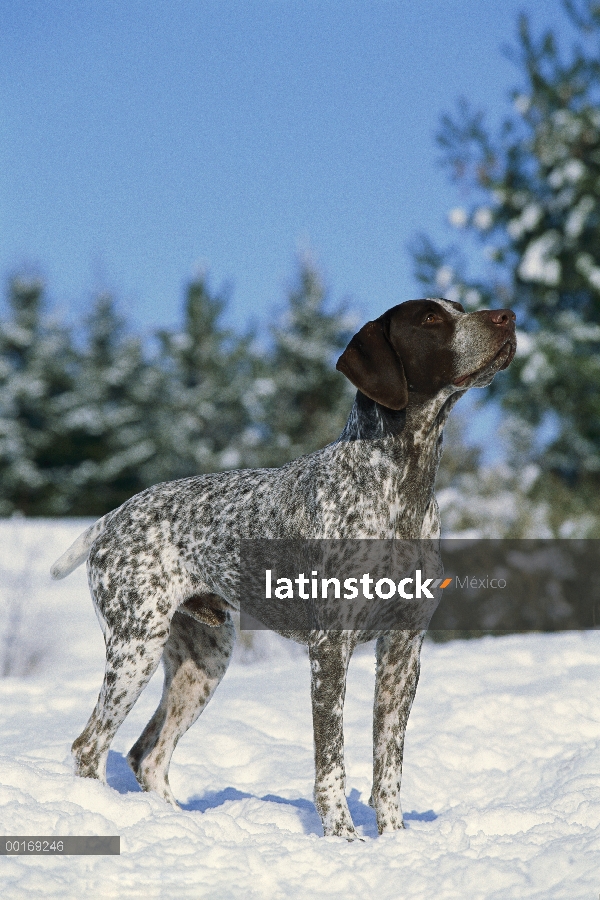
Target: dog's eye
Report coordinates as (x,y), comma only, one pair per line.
(430,318)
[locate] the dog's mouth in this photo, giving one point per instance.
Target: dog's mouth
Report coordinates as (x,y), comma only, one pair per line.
(505,353)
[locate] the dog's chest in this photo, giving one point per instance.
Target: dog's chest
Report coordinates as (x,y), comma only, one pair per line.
(381,495)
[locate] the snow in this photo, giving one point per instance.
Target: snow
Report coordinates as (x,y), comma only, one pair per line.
(483,218)
(501,787)
(578,217)
(538,369)
(444,276)
(522,104)
(538,264)
(458,217)
(585,264)
(527,221)
(472,298)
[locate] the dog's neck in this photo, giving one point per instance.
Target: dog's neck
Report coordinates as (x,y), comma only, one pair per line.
(423,419)
(396,453)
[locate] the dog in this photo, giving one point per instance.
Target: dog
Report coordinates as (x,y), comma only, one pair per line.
(162,567)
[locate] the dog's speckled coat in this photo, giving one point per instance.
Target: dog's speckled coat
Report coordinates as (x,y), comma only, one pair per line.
(163,567)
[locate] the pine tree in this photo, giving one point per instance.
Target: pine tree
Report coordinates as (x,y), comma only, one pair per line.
(304,401)
(37,369)
(204,422)
(86,424)
(109,418)
(533,210)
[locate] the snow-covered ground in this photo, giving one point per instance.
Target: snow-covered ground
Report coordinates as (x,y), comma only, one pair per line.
(501,788)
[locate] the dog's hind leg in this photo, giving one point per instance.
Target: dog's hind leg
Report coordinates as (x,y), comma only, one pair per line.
(195,659)
(130,663)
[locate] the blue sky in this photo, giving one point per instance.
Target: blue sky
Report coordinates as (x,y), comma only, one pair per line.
(143,140)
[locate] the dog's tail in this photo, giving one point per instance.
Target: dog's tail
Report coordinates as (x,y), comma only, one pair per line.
(79,551)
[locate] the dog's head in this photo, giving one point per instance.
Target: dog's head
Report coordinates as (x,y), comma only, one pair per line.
(427,346)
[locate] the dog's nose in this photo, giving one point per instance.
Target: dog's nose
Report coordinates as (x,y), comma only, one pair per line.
(502,316)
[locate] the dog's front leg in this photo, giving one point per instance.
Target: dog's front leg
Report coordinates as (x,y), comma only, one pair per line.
(329,657)
(395,687)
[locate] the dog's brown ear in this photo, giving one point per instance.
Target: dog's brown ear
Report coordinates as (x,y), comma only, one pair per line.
(373,366)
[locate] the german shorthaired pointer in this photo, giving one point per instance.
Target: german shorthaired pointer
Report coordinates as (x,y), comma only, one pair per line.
(162,568)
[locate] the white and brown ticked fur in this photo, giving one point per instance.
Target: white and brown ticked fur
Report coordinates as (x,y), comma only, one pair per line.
(163,568)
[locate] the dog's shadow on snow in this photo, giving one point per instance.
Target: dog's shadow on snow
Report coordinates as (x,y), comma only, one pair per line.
(120,777)
(309,817)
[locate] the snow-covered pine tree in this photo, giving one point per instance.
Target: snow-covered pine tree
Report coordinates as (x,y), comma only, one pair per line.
(37,368)
(109,418)
(305,401)
(204,422)
(533,210)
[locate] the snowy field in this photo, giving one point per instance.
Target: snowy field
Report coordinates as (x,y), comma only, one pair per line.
(501,788)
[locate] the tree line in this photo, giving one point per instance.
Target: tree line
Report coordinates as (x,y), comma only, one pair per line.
(90,416)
